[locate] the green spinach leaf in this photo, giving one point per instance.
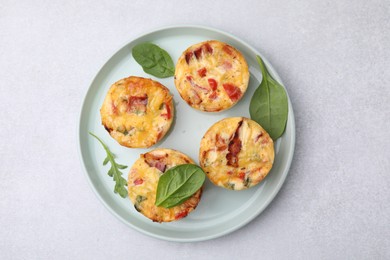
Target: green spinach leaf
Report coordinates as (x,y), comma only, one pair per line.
(154,60)
(179,183)
(269,105)
(114,171)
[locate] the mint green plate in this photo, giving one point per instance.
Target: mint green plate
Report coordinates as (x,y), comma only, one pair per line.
(220,211)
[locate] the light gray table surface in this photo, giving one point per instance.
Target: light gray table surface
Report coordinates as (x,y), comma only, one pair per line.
(334,58)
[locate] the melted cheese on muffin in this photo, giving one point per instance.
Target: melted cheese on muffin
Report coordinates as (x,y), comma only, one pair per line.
(143,180)
(137,112)
(236,153)
(211,76)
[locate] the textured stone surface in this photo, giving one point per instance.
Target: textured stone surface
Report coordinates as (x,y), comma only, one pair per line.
(334,57)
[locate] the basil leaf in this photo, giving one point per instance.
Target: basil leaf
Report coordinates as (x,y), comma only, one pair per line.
(154,60)
(114,171)
(269,105)
(178,184)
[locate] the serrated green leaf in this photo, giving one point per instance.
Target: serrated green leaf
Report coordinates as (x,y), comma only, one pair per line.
(120,182)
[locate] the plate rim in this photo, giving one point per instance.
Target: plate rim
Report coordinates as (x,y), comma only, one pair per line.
(272,195)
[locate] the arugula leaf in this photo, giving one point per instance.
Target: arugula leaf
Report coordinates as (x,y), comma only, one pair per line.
(154,60)
(179,183)
(269,105)
(114,171)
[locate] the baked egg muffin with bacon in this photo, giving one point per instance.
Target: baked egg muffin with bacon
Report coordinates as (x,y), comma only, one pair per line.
(211,76)
(137,112)
(143,180)
(236,153)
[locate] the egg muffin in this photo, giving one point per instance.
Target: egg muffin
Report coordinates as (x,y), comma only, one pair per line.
(211,76)
(143,180)
(137,112)
(236,153)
